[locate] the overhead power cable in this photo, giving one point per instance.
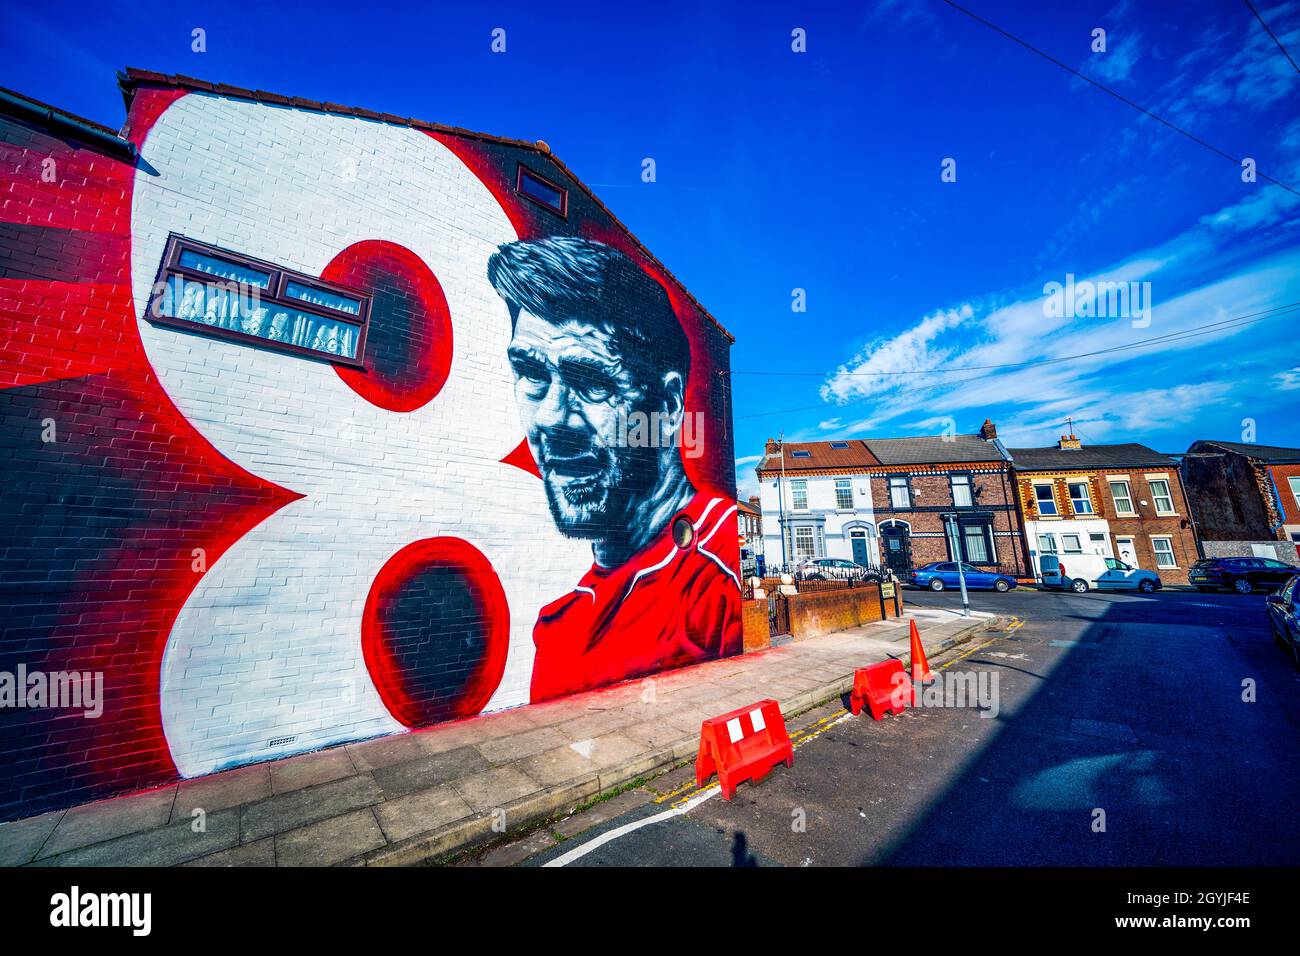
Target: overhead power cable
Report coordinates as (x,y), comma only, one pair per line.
(1271,34)
(1119,96)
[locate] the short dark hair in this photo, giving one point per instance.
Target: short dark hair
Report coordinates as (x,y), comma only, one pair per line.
(564,277)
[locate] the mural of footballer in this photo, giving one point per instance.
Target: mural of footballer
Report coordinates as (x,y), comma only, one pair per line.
(595,340)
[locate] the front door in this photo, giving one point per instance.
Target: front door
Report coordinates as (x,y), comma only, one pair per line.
(859,541)
(1127,553)
(898,549)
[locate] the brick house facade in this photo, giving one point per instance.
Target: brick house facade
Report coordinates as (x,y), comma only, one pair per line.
(1124,501)
(926,489)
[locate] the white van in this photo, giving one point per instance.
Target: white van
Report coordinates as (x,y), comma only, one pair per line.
(1083,571)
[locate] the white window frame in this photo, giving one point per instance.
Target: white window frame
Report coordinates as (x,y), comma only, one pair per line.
(798,489)
(1050,537)
(844,486)
(1086,499)
(812,543)
(1173,558)
(1038,502)
(1127,496)
(904,486)
(1294,482)
(962,481)
(1167,496)
(1078,544)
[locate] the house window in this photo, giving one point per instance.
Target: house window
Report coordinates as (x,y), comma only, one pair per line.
(542,191)
(839,444)
(900,496)
(1163,546)
(1295,489)
(1072,544)
(800,454)
(975,544)
(1160,495)
(804,546)
(843,494)
(1079,500)
(231,296)
(961,496)
(1046,499)
(799,494)
(1123,498)
(1047,544)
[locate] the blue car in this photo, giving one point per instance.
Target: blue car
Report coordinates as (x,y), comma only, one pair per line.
(938,575)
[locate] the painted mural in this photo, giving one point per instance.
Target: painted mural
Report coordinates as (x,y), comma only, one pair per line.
(375,433)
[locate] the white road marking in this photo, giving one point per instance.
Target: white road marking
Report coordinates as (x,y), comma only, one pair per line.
(580,851)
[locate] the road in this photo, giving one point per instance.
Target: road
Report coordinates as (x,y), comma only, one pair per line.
(1121,737)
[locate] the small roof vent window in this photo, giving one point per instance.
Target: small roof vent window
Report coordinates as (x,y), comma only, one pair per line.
(542,191)
(839,444)
(800,454)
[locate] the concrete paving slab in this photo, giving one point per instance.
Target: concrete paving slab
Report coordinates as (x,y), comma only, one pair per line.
(329,841)
(299,807)
(397,780)
(421,812)
(21,840)
(495,788)
(310,769)
(222,790)
(261,853)
(108,819)
(169,846)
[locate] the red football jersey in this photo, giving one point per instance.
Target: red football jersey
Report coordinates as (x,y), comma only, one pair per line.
(667,606)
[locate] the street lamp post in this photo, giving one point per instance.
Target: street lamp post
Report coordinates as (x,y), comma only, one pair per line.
(950,522)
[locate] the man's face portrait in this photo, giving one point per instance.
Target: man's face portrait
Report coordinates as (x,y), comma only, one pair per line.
(575,396)
(595,346)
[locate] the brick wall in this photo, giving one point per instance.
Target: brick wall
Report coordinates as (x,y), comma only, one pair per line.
(824,612)
(262,553)
(757,628)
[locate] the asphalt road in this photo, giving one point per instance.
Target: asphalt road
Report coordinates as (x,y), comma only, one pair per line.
(1125,705)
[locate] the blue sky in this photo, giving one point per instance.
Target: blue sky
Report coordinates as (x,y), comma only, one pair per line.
(821,171)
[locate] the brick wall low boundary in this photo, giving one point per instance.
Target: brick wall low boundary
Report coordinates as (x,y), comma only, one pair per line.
(813,614)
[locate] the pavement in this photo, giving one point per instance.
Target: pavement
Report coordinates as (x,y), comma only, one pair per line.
(418,797)
(1129,730)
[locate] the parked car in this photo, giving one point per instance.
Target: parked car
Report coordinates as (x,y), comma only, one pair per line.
(1242,575)
(1086,571)
(1284,618)
(823,568)
(938,575)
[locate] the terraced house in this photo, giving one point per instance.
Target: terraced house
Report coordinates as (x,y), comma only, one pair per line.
(947,497)
(1118,501)
(816,502)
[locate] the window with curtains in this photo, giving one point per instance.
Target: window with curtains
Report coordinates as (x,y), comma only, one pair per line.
(1080,500)
(975,544)
(1123,498)
(1047,543)
(900,494)
(227,295)
(799,494)
(1164,551)
(1072,544)
(1164,502)
(961,494)
(843,494)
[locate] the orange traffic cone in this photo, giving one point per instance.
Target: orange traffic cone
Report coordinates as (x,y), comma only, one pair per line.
(921,673)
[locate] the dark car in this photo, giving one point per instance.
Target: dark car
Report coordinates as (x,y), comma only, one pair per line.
(1284,618)
(938,575)
(1242,575)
